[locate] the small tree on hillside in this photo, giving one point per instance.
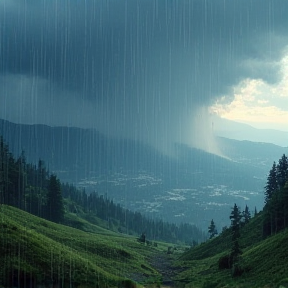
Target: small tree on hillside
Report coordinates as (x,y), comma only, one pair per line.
(255,211)
(194,243)
(235,218)
(212,230)
(142,238)
(246,215)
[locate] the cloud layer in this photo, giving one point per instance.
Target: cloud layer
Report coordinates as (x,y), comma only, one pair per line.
(258,103)
(134,68)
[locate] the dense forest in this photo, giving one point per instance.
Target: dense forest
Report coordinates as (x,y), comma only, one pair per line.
(29,187)
(33,188)
(276,203)
(274,216)
(276,198)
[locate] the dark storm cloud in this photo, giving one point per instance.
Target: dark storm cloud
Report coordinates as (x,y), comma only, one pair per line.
(133,67)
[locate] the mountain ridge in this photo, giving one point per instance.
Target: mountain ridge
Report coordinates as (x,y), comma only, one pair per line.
(241,131)
(141,178)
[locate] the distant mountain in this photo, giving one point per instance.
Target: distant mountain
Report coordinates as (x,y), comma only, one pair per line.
(182,188)
(239,131)
(76,153)
(257,154)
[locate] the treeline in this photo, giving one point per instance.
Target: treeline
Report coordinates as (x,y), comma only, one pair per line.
(276,198)
(129,221)
(275,215)
(34,189)
(29,187)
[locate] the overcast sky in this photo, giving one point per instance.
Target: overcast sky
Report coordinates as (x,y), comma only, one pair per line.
(149,70)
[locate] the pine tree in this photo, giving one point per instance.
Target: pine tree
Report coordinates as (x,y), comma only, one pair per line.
(21,184)
(284,200)
(4,155)
(54,205)
(276,199)
(246,215)
(272,183)
(235,218)
(255,211)
(142,238)
(212,230)
(282,171)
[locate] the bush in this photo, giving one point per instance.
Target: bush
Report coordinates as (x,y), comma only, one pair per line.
(237,270)
(170,250)
(148,243)
(224,262)
(283,283)
(210,284)
(127,283)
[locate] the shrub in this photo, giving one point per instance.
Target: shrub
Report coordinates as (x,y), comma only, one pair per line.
(127,283)
(170,250)
(224,262)
(237,270)
(210,284)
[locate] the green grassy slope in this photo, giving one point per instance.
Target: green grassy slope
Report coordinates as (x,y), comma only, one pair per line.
(43,252)
(84,221)
(265,261)
(250,235)
(35,251)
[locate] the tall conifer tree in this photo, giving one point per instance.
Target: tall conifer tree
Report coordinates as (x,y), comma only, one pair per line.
(235,218)
(54,206)
(212,229)
(282,171)
(246,215)
(272,183)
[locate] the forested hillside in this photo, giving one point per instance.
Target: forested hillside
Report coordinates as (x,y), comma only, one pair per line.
(252,251)
(234,257)
(177,187)
(33,188)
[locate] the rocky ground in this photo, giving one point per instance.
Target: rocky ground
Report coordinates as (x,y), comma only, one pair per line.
(162,262)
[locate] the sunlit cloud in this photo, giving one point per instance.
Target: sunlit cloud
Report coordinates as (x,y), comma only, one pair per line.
(258,103)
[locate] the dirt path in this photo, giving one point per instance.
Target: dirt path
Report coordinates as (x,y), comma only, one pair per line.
(162,262)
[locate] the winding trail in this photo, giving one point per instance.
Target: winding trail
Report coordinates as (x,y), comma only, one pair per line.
(162,262)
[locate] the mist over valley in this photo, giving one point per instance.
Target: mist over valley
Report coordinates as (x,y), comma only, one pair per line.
(191,186)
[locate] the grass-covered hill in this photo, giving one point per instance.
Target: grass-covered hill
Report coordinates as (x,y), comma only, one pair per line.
(34,252)
(38,253)
(264,261)
(32,188)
